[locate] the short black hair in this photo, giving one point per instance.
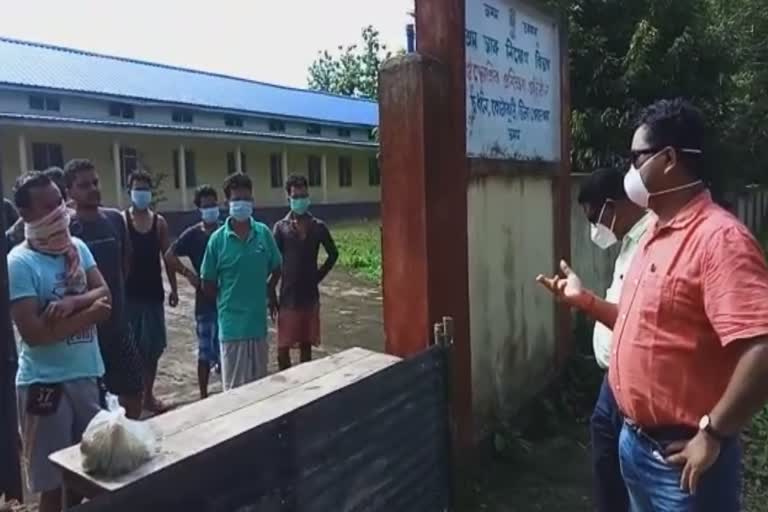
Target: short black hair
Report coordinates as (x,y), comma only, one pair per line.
(205,191)
(25,183)
(296,180)
(235,181)
(75,166)
(676,123)
(56,175)
(139,175)
(600,186)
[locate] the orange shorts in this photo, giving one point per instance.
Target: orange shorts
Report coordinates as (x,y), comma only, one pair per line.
(296,327)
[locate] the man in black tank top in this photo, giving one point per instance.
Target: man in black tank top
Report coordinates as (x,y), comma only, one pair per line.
(148,233)
(104,232)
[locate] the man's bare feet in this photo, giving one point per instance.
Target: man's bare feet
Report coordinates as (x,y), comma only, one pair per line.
(155,406)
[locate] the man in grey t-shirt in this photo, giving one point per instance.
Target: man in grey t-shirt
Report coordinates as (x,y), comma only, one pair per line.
(104,232)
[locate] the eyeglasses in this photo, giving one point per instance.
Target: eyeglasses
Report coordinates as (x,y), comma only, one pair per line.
(634,156)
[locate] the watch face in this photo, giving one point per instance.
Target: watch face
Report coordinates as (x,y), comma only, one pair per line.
(704,423)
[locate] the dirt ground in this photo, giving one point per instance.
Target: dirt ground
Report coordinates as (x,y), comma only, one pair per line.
(350,316)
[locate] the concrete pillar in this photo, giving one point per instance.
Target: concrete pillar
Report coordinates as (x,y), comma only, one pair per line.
(23,165)
(238,159)
(183,177)
(424,216)
(117,166)
(285,165)
(324,176)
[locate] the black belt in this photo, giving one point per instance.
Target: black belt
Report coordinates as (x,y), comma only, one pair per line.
(664,434)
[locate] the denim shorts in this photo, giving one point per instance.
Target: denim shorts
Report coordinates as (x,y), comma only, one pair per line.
(208,338)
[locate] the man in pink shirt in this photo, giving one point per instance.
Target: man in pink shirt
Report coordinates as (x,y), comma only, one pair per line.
(690,333)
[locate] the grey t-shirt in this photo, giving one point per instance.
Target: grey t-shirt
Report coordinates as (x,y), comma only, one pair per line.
(106,238)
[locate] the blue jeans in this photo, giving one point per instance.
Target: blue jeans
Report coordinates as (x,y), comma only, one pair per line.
(610,493)
(654,485)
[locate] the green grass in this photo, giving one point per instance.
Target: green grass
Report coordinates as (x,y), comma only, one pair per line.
(756,452)
(360,253)
(359,246)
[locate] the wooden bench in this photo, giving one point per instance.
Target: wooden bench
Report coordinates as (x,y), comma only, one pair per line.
(201,427)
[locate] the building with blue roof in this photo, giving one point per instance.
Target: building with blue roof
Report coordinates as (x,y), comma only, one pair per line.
(58,103)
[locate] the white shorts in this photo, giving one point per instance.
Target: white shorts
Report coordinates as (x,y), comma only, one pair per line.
(243,361)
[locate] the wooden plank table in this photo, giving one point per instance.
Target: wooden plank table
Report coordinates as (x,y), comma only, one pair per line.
(195,428)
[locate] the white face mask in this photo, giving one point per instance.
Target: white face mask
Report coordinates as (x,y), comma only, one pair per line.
(603,236)
(635,187)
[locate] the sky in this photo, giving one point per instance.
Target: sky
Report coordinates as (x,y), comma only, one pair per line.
(270,41)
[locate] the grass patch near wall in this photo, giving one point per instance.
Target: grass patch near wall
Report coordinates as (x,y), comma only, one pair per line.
(359,245)
(756,452)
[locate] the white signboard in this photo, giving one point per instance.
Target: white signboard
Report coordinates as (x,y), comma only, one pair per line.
(513,81)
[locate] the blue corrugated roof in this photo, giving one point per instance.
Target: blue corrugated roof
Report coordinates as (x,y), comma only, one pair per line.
(37,65)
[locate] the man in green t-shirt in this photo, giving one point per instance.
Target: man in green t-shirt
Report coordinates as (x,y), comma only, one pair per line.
(241,268)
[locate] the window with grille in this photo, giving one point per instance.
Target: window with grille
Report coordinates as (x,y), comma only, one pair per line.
(123,110)
(276,170)
(45,155)
(275,125)
(374,173)
(345,172)
(233,121)
(314,171)
(129,162)
(189,164)
(232,163)
(179,115)
(43,102)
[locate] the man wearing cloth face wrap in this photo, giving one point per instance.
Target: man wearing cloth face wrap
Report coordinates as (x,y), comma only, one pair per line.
(690,333)
(58,296)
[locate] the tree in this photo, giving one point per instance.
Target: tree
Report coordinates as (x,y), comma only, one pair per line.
(624,54)
(354,71)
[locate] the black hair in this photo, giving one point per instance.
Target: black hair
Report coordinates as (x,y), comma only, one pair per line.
(296,181)
(678,124)
(139,175)
(236,181)
(25,183)
(56,175)
(205,191)
(601,185)
(75,166)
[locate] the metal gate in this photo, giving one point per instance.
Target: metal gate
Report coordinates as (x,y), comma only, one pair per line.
(381,444)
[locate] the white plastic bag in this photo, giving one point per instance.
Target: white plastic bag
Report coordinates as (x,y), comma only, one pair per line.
(113,445)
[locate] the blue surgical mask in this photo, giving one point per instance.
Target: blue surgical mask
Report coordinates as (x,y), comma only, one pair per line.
(241,210)
(210,215)
(299,205)
(141,198)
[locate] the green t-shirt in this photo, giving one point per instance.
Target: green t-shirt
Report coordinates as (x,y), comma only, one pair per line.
(240,270)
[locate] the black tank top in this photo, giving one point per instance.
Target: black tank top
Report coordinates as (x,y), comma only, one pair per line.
(145,282)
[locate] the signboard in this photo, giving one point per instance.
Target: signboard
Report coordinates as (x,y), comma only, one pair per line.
(513,81)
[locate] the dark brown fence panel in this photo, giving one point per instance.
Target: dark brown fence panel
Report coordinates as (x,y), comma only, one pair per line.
(381,444)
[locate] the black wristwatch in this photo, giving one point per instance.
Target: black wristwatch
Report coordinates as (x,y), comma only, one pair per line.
(705,425)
